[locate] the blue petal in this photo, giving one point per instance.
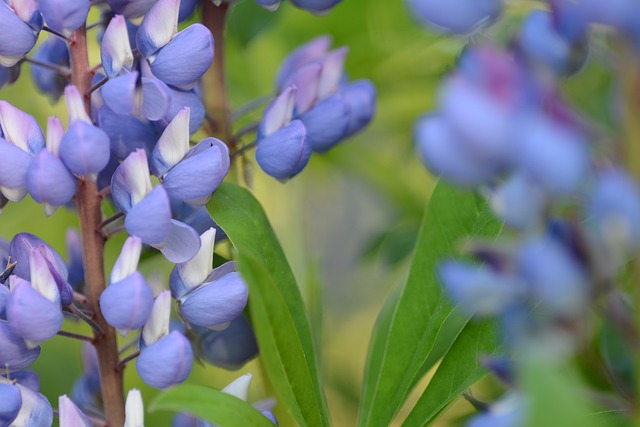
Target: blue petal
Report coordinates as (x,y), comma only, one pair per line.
(36,410)
(4,296)
(32,316)
(326,123)
(456,16)
(126,133)
(85,393)
(49,181)
(186,58)
(75,263)
(156,98)
(316,6)
(20,128)
(64,16)
(84,148)
(279,112)
(10,403)
(54,51)
(131,8)
(187,8)
(183,419)
(198,175)
(15,163)
(16,43)
(150,220)
(166,362)
(182,243)
(304,54)
(215,303)
(181,99)
(360,97)
(126,304)
(123,94)
(285,153)
(518,202)
(230,348)
(28,379)
(13,351)
(21,246)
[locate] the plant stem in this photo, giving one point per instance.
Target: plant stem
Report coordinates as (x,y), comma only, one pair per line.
(55,33)
(243,149)
(213,82)
(127,359)
(64,71)
(88,200)
(75,336)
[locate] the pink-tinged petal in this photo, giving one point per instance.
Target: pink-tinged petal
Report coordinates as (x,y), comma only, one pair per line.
(332,71)
(307,81)
(126,305)
(131,182)
(150,219)
(278,114)
(28,11)
(49,181)
(14,354)
(13,173)
(55,132)
(185,58)
(181,244)
(158,27)
(215,303)
(123,94)
(20,128)
(156,98)
(32,316)
(127,262)
(115,49)
(75,105)
(19,41)
(166,362)
(85,149)
(70,415)
(173,143)
(303,55)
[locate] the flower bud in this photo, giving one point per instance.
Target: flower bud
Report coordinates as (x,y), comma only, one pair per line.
(127,304)
(456,16)
(64,16)
(49,182)
(166,362)
(20,40)
(326,123)
(10,403)
(304,54)
(85,149)
(360,97)
(20,250)
(285,153)
(20,129)
(231,347)
(53,51)
(278,113)
(70,415)
(75,105)
(14,354)
(134,409)
(115,49)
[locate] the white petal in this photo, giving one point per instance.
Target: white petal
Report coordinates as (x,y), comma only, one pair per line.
(75,105)
(196,270)
(279,113)
(239,388)
(174,141)
(134,409)
(41,278)
(127,262)
(115,47)
(158,324)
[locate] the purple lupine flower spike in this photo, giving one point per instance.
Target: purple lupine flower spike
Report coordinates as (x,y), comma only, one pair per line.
(70,415)
(10,403)
(115,50)
(85,148)
(127,302)
(14,353)
(165,357)
(64,16)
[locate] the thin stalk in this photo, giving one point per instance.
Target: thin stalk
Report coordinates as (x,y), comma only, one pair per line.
(250,106)
(127,359)
(75,336)
(82,316)
(88,202)
(98,85)
(109,220)
(243,149)
(250,128)
(64,71)
(55,33)
(213,82)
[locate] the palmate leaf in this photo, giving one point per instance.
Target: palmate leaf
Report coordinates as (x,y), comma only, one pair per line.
(418,325)
(210,405)
(277,310)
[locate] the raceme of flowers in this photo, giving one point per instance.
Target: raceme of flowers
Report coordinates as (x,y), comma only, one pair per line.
(502,127)
(145,107)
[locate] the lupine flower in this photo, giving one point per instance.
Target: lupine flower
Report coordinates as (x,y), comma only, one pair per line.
(131,8)
(457,16)
(518,202)
(301,56)
(20,249)
(25,21)
(115,50)
(86,390)
(166,357)
(53,51)
(10,403)
(84,148)
(509,411)
(23,139)
(13,350)
(360,97)
(48,180)
(229,348)
(26,378)
(64,16)
(187,8)
(35,409)
(187,174)
(70,415)
(8,75)
(134,409)
(126,133)
(126,303)
(75,265)
(283,148)
(178,59)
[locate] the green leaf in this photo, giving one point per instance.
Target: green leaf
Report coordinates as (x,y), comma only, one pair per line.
(459,369)
(210,405)
(275,304)
(409,335)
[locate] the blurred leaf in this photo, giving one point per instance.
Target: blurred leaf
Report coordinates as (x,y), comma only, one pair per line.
(394,244)
(459,369)
(408,329)
(276,306)
(248,19)
(211,405)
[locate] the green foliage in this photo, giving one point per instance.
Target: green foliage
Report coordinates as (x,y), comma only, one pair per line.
(276,307)
(211,405)
(404,341)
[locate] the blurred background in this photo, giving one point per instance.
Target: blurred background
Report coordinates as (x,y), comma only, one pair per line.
(347,223)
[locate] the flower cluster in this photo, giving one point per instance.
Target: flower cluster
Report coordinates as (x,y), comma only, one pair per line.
(572,210)
(315,109)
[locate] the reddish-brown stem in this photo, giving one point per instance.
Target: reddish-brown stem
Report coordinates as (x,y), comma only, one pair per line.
(75,336)
(88,200)
(213,82)
(127,359)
